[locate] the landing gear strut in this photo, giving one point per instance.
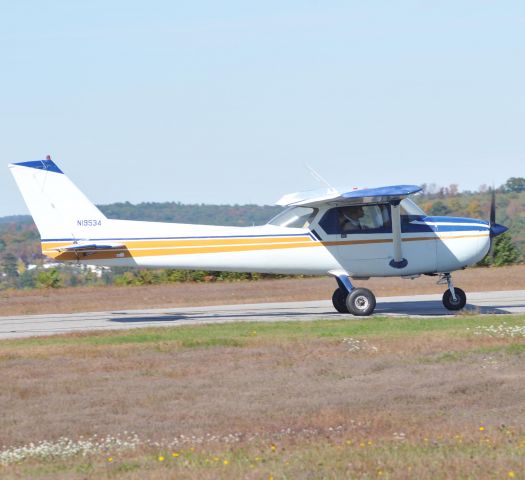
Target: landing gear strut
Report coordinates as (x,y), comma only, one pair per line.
(348,299)
(453,298)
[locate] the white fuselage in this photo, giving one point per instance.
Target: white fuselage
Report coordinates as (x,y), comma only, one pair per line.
(429,245)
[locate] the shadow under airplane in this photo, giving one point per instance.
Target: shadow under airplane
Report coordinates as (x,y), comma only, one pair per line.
(432,308)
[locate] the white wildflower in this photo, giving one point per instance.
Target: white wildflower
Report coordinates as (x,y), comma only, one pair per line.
(356,345)
(503,330)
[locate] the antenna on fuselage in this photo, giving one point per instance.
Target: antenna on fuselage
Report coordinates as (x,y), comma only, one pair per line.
(319,178)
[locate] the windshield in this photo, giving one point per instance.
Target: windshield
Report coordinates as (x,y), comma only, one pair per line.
(294,217)
(409,207)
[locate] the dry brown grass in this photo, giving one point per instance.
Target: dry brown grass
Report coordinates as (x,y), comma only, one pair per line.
(163,391)
(343,410)
(179,295)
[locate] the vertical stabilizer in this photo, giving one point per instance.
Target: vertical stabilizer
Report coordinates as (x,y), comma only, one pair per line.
(59,209)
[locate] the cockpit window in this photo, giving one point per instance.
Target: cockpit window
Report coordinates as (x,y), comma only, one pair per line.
(370,218)
(294,217)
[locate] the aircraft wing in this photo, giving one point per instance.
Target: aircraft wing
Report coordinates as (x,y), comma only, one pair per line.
(348,195)
(80,247)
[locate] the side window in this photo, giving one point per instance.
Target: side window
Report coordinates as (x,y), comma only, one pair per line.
(295,217)
(372,218)
(408,215)
(412,218)
(330,221)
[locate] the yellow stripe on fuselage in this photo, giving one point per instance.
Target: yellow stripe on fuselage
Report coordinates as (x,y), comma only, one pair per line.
(148,248)
(193,242)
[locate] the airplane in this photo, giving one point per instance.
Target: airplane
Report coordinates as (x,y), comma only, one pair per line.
(350,234)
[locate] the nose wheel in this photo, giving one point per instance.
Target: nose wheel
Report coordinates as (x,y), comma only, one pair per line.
(454,304)
(453,298)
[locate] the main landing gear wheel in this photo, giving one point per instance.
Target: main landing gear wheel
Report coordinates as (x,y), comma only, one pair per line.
(361,302)
(339,300)
(450,303)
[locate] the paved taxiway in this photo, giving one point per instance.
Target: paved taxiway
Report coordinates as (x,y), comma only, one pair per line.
(417,305)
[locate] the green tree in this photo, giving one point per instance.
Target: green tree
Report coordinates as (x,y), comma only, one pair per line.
(27,279)
(49,278)
(9,265)
(474,209)
(505,252)
(455,206)
(439,209)
(20,266)
(145,277)
(126,278)
(515,184)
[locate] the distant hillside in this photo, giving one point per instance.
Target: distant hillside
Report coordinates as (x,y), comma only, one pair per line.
(234,215)
(16,219)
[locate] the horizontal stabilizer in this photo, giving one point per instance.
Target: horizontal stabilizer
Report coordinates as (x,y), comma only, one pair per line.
(80,247)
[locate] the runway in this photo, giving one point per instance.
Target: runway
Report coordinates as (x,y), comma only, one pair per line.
(417,306)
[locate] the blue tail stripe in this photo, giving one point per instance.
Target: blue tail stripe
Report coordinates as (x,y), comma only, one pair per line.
(48,165)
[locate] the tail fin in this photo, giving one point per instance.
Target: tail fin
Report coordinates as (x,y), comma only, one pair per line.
(59,209)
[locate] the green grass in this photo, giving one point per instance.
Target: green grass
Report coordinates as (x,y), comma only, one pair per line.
(238,334)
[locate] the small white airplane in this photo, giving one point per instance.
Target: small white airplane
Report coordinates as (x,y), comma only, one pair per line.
(346,233)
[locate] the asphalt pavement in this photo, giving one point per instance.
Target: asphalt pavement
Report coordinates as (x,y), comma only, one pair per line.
(416,306)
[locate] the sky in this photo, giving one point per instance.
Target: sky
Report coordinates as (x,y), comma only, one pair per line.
(228,102)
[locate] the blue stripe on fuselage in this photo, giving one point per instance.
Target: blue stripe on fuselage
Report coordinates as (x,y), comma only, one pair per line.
(457,224)
(442,224)
(454,220)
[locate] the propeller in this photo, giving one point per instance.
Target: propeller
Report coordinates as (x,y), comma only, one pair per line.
(495,228)
(492,206)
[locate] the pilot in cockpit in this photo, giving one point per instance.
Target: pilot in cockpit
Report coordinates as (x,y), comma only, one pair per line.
(350,218)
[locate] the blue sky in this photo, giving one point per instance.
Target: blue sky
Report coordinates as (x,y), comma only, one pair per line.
(225,102)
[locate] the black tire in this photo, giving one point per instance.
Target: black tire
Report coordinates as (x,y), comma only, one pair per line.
(339,300)
(361,302)
(450,304)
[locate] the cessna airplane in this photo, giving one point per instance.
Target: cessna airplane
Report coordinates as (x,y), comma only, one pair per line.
(350,234)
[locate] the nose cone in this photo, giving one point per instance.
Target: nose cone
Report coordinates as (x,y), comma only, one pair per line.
(497,229)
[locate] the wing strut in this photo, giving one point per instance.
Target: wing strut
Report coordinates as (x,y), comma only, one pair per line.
(398,261)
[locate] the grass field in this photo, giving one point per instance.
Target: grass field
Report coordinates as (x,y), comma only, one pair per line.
(375,398)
